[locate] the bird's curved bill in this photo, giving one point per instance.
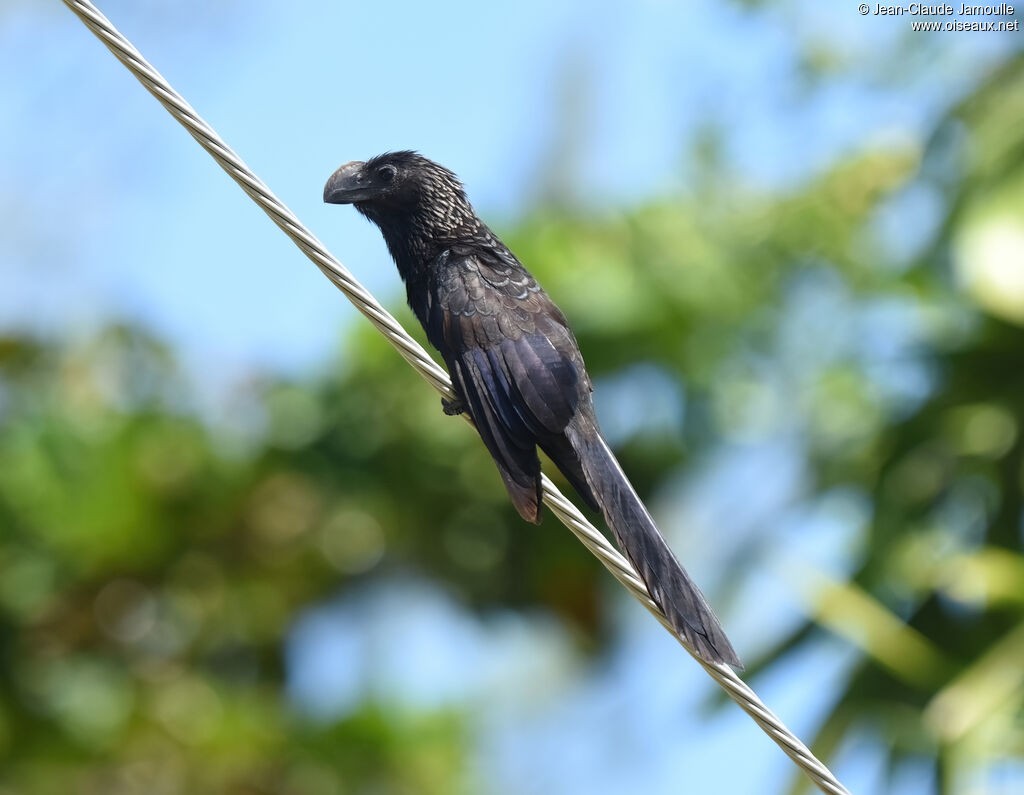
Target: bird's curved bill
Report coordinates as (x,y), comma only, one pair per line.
(347,185)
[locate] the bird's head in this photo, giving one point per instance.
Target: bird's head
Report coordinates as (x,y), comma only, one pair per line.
(394,182)
(419,205)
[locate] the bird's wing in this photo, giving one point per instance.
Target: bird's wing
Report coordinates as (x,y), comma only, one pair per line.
(513,359)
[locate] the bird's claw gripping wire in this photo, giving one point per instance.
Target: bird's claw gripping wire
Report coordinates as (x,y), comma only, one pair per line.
(452,408)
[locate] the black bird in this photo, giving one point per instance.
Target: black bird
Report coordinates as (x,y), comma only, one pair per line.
(515,365)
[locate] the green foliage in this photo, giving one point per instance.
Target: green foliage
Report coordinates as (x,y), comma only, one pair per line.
(151,568)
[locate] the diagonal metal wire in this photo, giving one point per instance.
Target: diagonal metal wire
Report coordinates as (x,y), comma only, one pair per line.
(435,375)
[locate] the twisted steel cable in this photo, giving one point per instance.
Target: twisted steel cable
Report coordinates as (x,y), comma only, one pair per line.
(434,374)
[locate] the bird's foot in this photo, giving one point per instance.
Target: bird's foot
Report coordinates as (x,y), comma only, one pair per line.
(452,407)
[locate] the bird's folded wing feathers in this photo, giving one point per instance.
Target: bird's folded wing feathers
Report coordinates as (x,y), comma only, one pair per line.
(512,360)
(507,333)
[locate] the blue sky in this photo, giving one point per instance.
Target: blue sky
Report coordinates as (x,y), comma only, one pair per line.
(112,210)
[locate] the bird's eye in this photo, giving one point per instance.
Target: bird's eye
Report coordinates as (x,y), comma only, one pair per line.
(386,173)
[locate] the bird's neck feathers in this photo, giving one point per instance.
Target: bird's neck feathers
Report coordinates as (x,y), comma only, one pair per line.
(418,230)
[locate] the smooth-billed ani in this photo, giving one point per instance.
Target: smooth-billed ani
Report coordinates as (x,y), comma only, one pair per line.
(515,365)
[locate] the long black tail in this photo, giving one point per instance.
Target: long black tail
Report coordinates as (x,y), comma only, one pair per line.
(667,581)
